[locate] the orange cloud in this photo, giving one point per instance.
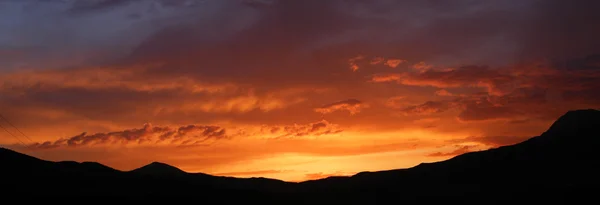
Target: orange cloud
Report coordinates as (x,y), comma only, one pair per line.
(319,128)
(396,102)
(460,150)
(353,62)
(422,66)
(353,106)
(481,142)
(185,135)
(492,141)
(321,175)
(443,92)
(429,107)
(250,173)
(376,60)
(240,104)
(393,63)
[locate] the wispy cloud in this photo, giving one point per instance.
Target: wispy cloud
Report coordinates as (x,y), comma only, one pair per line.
(185,135)
(461,149)
(353,106)
(321,175)
(318,128)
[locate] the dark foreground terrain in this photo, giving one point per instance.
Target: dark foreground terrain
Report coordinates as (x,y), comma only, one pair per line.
(560,165)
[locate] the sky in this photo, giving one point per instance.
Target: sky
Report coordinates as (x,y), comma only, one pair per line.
(292,90)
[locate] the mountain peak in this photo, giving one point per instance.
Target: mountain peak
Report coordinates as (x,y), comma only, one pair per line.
(158,168)
(575,124)
(581,113)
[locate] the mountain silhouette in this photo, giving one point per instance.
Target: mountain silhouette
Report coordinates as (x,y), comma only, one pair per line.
(560,165)
(159,169)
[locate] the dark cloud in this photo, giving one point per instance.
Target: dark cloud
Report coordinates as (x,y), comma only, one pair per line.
(284,33)
(514,92)
(291,42)
(259,3)
(269,46)
(560,30)
(588,62)
(474,112)
(96,5)
(185,135)
(311,40)
(278,45)
(467,76)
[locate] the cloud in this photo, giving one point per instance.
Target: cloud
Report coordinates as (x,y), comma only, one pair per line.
(508,93)
(461,149)
(319,128)
(481,106)
(96,5)
(148,135)
(466,76)
(321,175)
(104,78)
(590,62)
(396,102)
(422,66)
(259,2)
(353,62)
(99,93)
(353,106)
(443,92)
(478,112)
(357,62)
(376,60)
(383,27)
(492,141)
(251,173)
(392,63)
(427,108)
(242,104)
(278,44)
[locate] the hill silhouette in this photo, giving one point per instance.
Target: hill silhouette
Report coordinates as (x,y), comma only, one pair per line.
(159,169)
(559,165)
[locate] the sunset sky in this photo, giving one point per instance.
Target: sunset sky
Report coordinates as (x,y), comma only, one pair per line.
(289,89)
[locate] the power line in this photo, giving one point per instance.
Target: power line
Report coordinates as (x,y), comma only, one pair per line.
(11,134)
(6,120)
